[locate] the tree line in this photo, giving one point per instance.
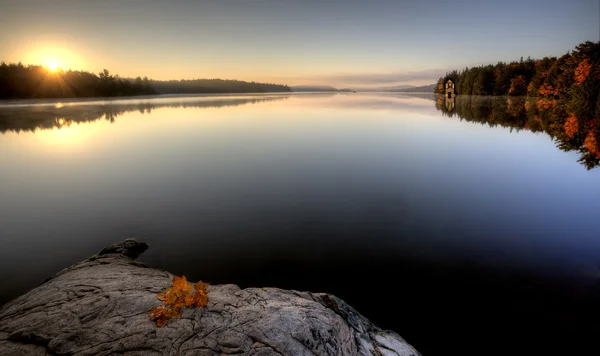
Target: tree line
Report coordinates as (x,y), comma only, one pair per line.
(18,81)
(196,86)
(563,77)
(563,96)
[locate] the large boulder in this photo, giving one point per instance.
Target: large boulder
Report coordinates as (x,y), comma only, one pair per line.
(100,306)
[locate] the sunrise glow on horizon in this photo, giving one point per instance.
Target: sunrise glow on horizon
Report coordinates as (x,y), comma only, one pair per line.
(333,43)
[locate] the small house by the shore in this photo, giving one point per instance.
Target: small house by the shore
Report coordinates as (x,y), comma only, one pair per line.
(450,92)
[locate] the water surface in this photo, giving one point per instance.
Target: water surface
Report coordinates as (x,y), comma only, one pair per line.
(452,233)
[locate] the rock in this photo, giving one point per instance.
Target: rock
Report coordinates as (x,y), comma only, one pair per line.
(100,306)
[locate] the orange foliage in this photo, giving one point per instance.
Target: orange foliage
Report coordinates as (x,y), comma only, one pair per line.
(571,126)
(518,85)
(591,143)
(547,89)
(177,297)
(582,71)
(544,104)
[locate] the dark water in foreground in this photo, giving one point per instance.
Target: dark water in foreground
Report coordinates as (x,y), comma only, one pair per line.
(461,237)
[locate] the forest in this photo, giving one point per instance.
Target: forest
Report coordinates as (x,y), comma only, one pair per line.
(560,96)
(196,86)
(566,77)
(18,81)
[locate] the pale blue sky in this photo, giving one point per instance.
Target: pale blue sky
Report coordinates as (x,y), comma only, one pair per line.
(338,42)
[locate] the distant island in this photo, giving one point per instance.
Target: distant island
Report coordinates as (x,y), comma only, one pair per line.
(420,89)
(18,81)
(312,88)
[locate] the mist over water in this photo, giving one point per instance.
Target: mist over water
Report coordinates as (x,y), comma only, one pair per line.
(449,232)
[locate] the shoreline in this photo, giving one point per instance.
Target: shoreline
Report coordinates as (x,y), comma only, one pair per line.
(102,306)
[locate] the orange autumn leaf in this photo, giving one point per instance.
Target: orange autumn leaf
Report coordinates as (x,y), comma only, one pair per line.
(200,299)
(189,301)
(181,285)
(201,286)
(176,297)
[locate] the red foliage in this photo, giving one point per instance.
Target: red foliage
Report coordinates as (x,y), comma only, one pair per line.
(176,298)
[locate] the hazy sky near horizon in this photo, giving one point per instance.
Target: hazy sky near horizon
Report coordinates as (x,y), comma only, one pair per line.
(337,42)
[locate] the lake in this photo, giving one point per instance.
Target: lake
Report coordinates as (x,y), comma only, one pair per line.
(463,231)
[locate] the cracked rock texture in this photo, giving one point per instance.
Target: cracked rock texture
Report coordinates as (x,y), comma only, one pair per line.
(100,306)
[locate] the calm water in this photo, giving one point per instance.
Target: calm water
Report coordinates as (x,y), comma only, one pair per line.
(457,235)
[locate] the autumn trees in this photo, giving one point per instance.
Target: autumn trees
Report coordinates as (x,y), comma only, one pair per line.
(563,97)
(549,76)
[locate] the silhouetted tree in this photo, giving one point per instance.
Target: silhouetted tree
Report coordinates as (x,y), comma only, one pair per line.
(34,81)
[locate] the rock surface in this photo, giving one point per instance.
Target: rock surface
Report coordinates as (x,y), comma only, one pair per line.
(100,306)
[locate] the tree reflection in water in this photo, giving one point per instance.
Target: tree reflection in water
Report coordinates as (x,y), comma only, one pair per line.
(551,116)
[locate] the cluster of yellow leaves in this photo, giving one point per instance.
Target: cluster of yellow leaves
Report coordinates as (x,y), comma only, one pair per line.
(176,297)
(571,126)
(582,71)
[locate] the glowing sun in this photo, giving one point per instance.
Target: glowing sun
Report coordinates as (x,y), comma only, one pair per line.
(52,65)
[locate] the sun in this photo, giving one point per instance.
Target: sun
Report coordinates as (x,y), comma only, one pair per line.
(52,65)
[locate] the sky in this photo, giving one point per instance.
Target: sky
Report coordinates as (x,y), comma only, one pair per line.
(344,43)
